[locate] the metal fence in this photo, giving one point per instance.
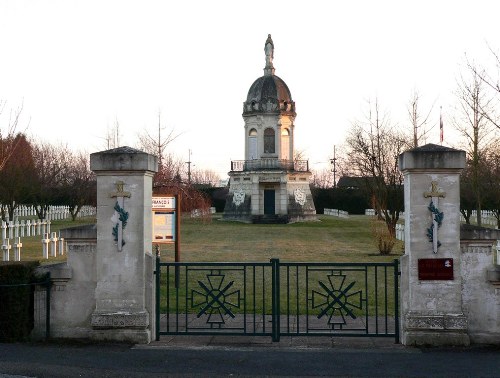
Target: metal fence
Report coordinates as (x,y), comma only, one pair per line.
(278,299)
(25,310)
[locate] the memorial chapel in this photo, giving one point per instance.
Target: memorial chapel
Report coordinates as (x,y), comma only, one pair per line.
(269,186)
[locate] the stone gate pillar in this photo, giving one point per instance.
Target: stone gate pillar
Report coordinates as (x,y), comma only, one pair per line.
(124,242)
(431,300)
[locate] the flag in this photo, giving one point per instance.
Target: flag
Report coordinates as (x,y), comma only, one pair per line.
(440,127)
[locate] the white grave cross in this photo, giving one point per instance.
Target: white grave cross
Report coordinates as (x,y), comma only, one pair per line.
(434,194)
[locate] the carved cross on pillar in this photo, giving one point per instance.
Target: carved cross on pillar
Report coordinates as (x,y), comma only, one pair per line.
(120,216)
(437,217)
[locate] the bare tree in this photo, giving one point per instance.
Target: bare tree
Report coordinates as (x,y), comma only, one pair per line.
(8,131)
(491,164)
(476,128)
(78,185)
(204,177)
(418,121)
(322,179)
(170,167)
(467,197)
(17,176)
(156,145)
(52,164)
(491,81)
(170,171)
(372,149)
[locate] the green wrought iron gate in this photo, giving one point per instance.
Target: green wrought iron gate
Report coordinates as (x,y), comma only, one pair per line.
(277,299)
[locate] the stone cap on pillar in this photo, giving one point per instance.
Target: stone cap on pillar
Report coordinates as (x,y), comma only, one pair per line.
(123,159)
(432,157)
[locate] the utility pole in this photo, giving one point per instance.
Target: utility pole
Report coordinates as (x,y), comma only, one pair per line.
(333,162)
(189,167)
(117,133)
(160,160)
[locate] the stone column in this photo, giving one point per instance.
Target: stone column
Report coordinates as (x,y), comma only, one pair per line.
(431,299)
(124,244)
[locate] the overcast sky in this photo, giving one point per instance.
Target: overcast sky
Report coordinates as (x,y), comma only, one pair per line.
(79,66)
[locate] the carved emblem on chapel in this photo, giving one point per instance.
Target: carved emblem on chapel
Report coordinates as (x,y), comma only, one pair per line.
(300,196)
(238,197)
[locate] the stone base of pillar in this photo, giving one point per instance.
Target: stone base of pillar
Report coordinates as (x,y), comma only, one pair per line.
(442,329)
(121,326)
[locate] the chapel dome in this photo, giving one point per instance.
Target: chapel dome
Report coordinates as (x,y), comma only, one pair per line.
(269,93)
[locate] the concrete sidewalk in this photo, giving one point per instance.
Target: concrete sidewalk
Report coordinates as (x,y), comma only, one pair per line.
(286,342)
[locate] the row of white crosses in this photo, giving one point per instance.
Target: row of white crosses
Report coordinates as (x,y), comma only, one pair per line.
(50,241)
(24,228)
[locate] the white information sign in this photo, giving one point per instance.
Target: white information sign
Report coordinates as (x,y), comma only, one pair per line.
(163,203)
(163,226)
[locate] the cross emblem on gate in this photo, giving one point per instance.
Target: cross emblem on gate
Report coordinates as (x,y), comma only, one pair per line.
(337,301)
(214,299)
(437,218)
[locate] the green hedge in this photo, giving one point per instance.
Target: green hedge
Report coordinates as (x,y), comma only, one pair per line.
(16,300)
(354,201)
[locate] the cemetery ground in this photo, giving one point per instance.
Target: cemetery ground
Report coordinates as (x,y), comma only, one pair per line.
(330,239)
(32,246)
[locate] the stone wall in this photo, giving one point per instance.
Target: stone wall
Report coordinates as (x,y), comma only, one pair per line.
(74,284)
(480,284)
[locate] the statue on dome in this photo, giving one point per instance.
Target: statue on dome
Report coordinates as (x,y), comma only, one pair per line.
(269,50)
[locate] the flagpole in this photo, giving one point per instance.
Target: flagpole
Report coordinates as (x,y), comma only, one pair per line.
(441,125)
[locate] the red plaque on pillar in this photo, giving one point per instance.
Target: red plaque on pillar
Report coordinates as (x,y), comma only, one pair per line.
(435,269)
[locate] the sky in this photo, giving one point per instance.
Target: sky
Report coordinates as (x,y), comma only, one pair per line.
(78,67)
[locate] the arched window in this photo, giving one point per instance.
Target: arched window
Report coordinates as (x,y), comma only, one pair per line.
(269,145)
(285,144)
(252,144)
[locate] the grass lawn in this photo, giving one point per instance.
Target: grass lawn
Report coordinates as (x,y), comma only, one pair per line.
(331,239)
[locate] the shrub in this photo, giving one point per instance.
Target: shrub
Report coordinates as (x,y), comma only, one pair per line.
(383,239)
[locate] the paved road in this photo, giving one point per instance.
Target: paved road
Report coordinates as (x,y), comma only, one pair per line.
(219,357)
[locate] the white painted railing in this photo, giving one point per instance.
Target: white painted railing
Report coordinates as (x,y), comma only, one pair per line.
(498,252)
(400,231)
(336,213)
(372,212)
(196,213)
(487,218)
(54,212)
